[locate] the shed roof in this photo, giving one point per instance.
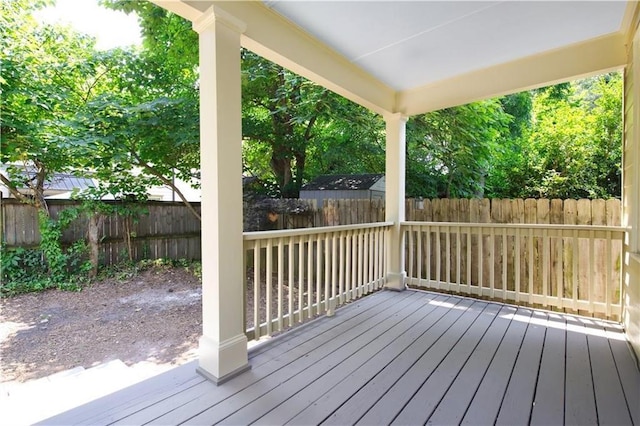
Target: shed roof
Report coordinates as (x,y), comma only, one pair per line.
(343,182)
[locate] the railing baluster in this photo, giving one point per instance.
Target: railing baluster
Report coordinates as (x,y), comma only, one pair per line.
(318,271)
(531,266)
(280,283)
(608,267)
(360,263)
(410,259)
(559,273)
(310,258)
(591,264)
(492,262)
(257,253)
(365,262)
(327,271)
(269,283)
(290,285)
(334,270)
(438,257)
(428,257)
(448,257)
(480,260)
(369,257)
(469,260)
(348,267)
(376,260)
(546,256)
(458,258)
(575,270)
(341,269)
(517,247)
(301,279)
(419,256)
(505,257)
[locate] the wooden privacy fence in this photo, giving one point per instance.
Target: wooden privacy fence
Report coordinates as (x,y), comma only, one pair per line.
(166,230)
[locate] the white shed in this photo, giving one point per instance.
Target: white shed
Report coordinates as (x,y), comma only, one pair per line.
(339,187)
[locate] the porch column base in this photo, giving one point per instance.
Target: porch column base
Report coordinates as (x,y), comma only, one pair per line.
(222,361)
(396,281)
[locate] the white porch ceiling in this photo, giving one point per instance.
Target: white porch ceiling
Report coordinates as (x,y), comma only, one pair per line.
(407,44)
(418,56)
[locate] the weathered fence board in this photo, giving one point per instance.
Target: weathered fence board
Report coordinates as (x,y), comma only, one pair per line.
(166,230)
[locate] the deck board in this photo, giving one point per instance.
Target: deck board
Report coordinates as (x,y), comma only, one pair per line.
(486,403)
(627,369)
(404,358)
(453,406)
(610,400)
(361,402)
(387,407)
(334,398)
(310,391)
(580,406)
(548,407)
(421,405)
(518,399)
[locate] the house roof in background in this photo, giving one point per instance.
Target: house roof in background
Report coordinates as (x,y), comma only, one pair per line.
(68,182)
(343,182)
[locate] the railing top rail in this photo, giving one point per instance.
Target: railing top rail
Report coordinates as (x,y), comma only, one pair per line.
(260,235)
(521,226)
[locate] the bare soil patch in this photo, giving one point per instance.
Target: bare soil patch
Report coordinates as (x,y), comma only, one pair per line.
(154,316)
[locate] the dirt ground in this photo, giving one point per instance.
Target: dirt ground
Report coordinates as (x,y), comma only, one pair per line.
(153,316)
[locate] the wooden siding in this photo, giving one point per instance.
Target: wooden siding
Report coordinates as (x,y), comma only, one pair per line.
(407,357)
(631,194)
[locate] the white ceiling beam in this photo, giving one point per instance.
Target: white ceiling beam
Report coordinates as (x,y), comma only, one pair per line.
(188,11)
(591,57)
(273,37)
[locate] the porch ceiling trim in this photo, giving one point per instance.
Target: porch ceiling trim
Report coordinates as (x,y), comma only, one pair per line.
(279,40)
(591,57)
(273,37)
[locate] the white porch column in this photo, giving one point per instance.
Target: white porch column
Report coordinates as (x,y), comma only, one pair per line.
(394,197)
(223,346)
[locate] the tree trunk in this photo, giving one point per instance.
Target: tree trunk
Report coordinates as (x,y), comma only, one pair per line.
(93,235)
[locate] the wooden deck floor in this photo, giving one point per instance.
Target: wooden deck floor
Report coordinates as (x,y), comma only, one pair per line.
(405,358)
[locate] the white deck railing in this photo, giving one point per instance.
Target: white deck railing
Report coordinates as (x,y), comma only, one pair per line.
(295,275)
(559,266)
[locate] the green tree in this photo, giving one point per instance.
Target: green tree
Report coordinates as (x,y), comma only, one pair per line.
(448,151)
(48,72)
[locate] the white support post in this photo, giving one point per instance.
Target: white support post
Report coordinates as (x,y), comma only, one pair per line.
(394,197)
(223,345)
